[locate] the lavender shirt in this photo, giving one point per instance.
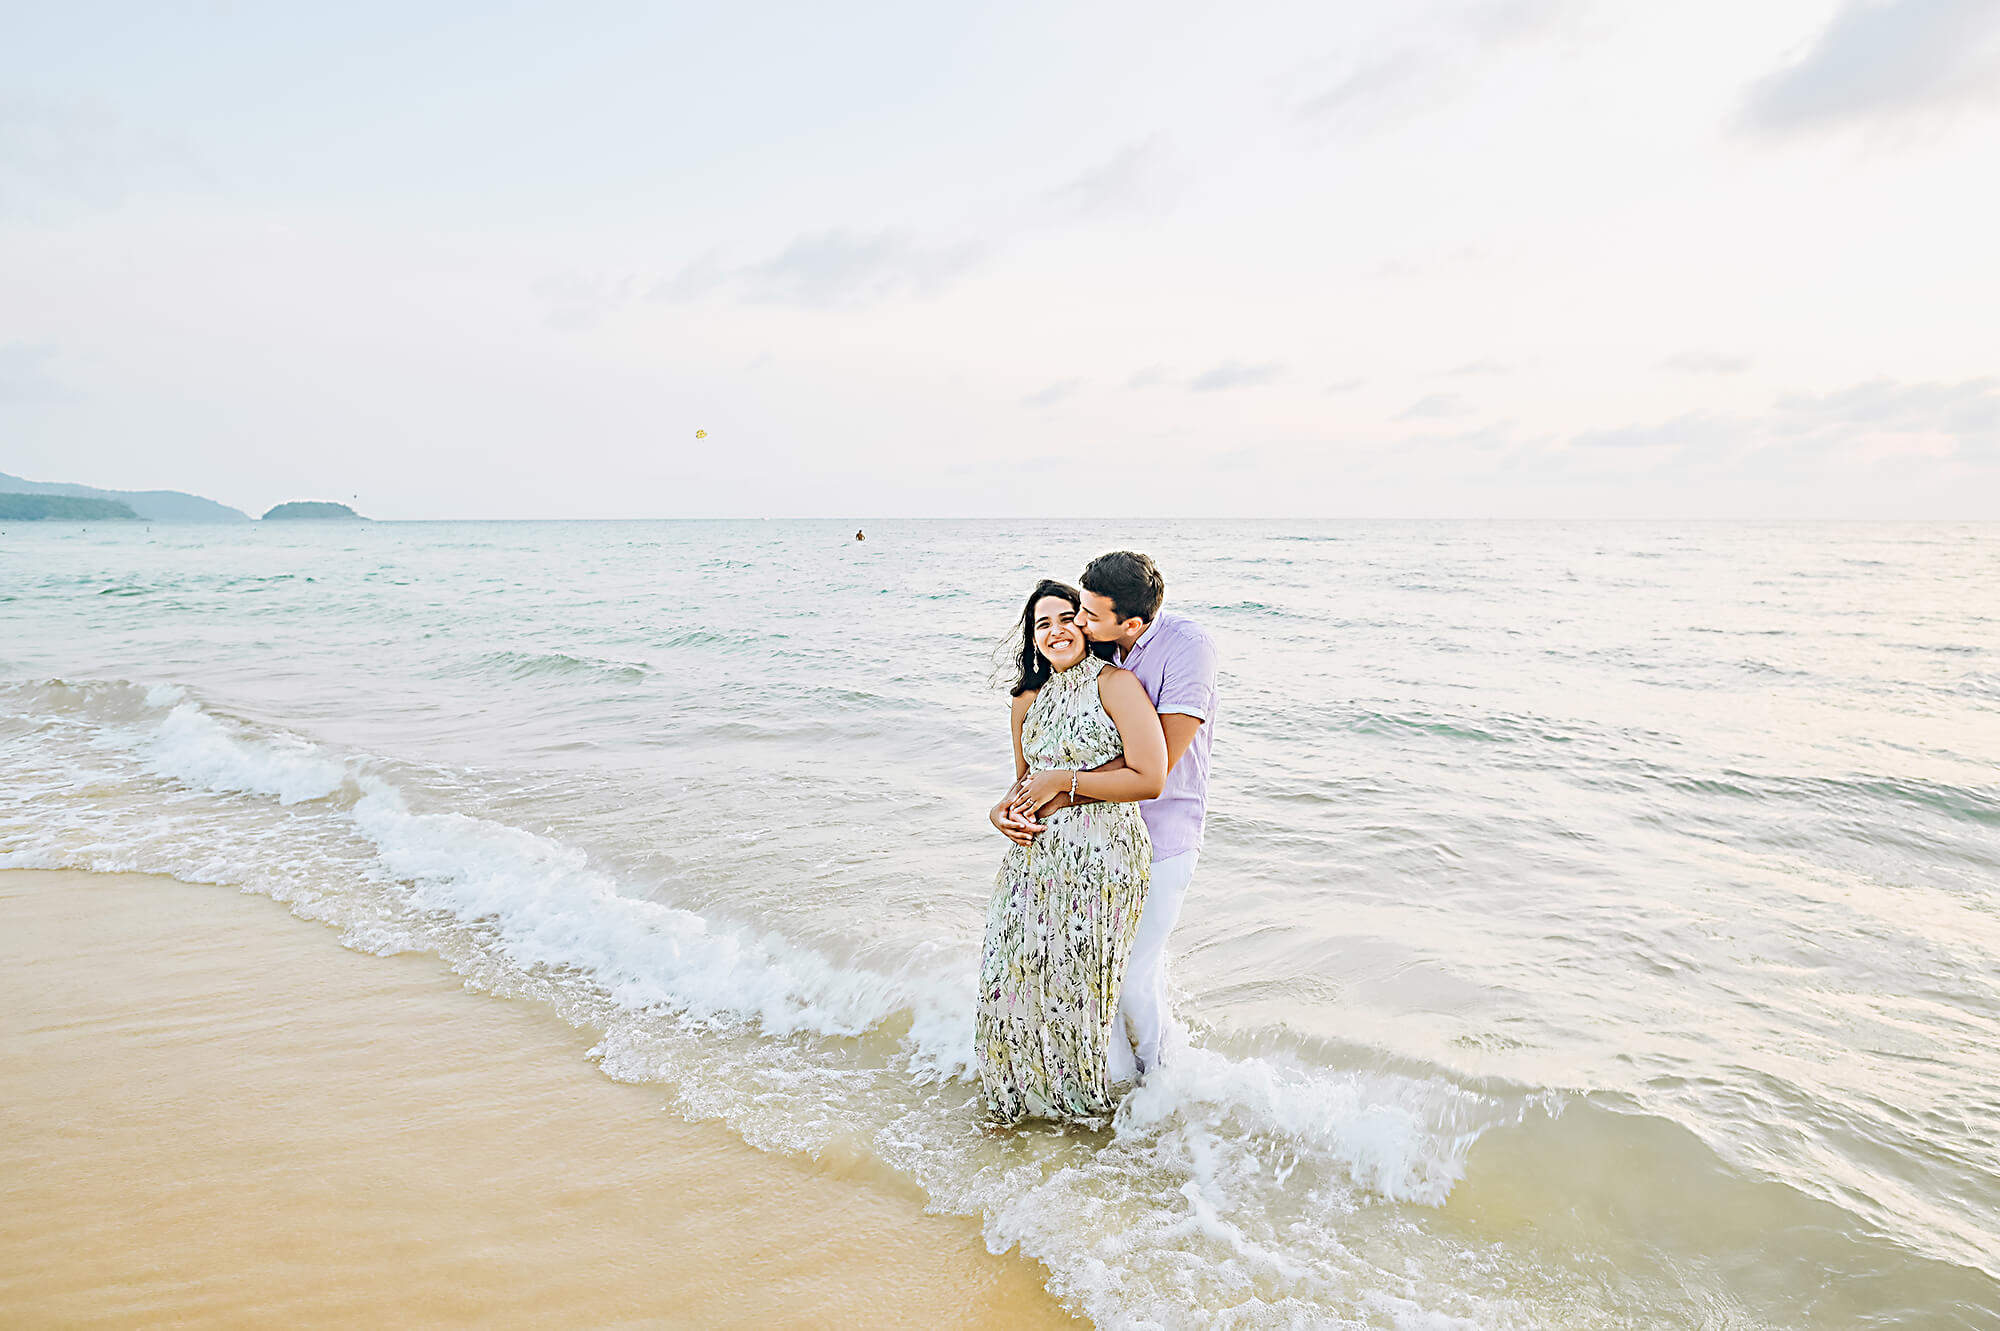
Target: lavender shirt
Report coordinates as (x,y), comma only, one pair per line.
(1175,661)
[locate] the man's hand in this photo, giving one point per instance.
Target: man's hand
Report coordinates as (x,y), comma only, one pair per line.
(1017,828)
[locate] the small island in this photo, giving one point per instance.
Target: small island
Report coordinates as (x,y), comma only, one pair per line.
(313,510)
(62,508)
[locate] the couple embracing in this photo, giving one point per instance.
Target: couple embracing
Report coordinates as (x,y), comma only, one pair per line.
(1113,714)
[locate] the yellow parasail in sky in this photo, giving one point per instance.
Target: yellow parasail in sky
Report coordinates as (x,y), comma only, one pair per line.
(701,434)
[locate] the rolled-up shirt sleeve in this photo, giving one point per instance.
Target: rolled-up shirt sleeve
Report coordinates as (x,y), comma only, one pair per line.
(1187,686)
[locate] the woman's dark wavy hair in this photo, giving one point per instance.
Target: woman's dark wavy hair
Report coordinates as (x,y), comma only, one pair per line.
(1034,666)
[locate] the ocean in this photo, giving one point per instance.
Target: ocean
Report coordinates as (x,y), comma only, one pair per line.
(1599,923)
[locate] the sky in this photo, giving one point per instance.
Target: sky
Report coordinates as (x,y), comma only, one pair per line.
(1486,258)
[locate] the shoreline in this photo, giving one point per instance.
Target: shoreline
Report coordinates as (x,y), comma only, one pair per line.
(217,1114)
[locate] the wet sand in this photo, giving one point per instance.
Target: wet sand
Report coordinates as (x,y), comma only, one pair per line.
(217,1116)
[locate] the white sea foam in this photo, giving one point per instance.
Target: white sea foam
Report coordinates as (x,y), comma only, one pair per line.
(191,746)
(548,906)
(551,909)
(1394,1136)
(1194,1199)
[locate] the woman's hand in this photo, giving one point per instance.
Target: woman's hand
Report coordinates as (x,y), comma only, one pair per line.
(1017,828)
(1038,788)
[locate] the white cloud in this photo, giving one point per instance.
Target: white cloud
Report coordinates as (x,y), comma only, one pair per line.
(1054,393)
(693,281)
(1428,68)
(1514,20)
(1436,406)
(1129,179)
(1706,362)
(1236,374)
(1871,421)
(834,267)
(843,267)
(1695,431)
(1886,59)
(571,301)
(1368,81)
(69,153)
(1967,413)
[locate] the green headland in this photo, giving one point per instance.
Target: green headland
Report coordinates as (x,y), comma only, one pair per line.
(312,510)
(62,508)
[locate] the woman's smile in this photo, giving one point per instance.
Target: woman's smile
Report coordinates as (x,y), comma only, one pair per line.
(1056,635)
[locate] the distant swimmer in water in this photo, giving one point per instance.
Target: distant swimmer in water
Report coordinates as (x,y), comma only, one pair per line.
(860,536)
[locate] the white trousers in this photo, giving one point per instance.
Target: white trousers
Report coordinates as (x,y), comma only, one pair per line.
(1145,1023)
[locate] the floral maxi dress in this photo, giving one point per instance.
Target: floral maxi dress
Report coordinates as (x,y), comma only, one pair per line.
(1060,924)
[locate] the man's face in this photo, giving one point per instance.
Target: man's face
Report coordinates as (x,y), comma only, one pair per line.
(1100,623)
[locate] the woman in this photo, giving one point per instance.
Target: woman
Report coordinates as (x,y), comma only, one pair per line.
(1066,905)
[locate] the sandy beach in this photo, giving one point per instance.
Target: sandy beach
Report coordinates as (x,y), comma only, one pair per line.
(217,1116)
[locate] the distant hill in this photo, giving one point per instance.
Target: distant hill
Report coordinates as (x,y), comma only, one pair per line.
(62,508)
(151,505)
(312,510)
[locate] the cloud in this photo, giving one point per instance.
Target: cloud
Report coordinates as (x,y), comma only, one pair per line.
(1461,38)
(1485,365)
(67,153)
(836,267)
(572,301)
(1150,377)
(1436,406)
(1345,385)
(24,375)
(1706,362)
(1487,439)
(843,267)
(1371,80)
(695,280)
(1127,180)
(1514,20)
(1966,413)
(1054,393)
(1235,374)
(1696,431)
(1879,420)
(1885,59)
(1434,263)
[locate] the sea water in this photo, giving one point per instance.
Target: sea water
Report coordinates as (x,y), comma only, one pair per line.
(1599,924)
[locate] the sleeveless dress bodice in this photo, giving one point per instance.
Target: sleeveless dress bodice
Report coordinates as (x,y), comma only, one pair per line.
(1067,725)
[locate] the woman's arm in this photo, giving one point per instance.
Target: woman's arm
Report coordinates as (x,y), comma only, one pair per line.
(1022,702)
(1145,771)
(1018,828)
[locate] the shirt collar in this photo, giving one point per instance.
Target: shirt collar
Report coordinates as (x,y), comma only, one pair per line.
(1129,652)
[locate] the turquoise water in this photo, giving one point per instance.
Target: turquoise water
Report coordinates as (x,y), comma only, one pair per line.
(1597,928)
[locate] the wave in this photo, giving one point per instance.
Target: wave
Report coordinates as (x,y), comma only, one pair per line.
(1282,1185)
(1959,802)
(1964,803)
(552,665)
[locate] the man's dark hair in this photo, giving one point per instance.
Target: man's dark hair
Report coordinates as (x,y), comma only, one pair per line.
(1130,580)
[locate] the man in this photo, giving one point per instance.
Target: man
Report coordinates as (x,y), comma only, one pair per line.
(1174,659)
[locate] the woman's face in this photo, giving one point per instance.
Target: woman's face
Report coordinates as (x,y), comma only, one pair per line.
(1056,635)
